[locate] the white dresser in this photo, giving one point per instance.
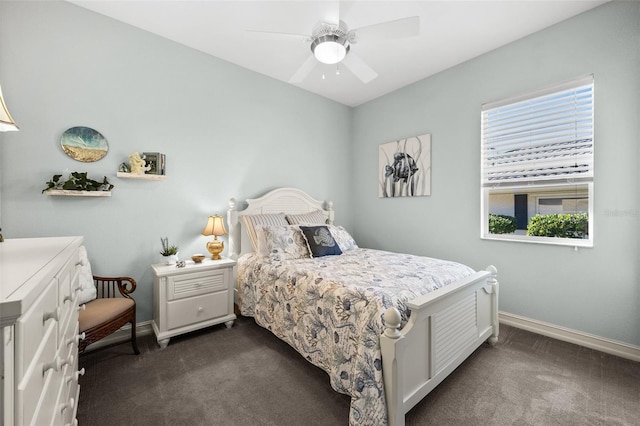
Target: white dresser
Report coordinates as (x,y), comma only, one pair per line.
(192,297)
(39,323)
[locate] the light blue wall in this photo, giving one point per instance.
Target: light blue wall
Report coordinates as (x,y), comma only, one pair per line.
(596,290)
(226,132)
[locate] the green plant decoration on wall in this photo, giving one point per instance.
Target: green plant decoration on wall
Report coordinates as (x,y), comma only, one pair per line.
(78,182)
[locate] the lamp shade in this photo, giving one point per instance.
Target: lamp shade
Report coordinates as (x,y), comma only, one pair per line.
(6,121)
(215,226)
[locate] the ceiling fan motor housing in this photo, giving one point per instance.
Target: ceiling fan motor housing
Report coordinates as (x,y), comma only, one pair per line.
(329,42)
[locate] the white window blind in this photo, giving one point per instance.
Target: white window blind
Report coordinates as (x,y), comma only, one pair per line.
(542,138)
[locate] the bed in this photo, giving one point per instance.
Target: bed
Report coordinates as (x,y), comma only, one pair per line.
(386,327)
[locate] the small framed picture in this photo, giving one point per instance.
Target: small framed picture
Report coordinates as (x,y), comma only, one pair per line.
(155,161)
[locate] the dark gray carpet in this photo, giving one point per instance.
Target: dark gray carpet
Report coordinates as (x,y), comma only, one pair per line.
(246,376)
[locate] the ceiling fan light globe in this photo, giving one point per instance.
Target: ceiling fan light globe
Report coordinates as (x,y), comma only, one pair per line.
(330,52)
(329,49)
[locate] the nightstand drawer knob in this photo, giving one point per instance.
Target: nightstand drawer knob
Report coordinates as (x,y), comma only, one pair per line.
(200,309)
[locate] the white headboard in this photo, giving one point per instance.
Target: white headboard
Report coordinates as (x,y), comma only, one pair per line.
(281,200)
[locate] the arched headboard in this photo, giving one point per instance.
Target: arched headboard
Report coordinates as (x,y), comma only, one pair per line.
(280,200)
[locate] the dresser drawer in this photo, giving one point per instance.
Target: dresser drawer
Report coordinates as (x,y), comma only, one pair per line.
(67,277)
(32,326)
(181,286)
(33,388)
(197,309)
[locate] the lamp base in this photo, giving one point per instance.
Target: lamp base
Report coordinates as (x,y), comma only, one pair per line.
(215,247)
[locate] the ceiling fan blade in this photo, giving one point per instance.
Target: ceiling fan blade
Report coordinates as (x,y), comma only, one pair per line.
(274,34)
(401,28)
(304,70)
(332,11)
(359,68)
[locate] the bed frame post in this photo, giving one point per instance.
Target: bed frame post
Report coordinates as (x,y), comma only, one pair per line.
(391,350)
(234,229)
(493,282)
(330,212)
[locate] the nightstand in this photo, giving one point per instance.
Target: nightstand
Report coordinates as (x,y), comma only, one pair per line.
(190,298)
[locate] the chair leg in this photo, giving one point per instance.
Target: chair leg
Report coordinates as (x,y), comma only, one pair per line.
(133,338)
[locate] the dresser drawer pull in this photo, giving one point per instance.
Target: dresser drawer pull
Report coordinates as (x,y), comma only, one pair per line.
(82,307)
(67,405)
(55,315)
(67,298)
(200,309)
(78,373)
(55,365)
(68,361)
(76,339)
(75,376)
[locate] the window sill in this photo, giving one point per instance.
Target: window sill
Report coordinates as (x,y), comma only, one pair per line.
(569,242)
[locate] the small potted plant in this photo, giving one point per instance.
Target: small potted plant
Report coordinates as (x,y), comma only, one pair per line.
(169,252)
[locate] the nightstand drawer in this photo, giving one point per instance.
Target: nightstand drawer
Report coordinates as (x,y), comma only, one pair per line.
(197,309)
(181,286)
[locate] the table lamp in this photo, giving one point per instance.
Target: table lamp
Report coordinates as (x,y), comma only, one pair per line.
(215,227)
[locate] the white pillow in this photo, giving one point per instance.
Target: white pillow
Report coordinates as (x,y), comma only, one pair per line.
(315,217)
(87,287)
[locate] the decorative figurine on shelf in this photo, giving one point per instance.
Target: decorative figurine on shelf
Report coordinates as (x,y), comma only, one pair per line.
(137,164)
(123,168)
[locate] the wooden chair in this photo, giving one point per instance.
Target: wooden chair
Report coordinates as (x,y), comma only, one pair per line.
(108,312)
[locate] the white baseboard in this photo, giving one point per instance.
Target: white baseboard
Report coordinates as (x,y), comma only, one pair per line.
(122,335)
(612,347)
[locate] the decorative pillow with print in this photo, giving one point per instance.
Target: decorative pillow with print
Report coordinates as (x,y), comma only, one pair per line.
(251,221)
(343,238)
(285,242)
(320,241)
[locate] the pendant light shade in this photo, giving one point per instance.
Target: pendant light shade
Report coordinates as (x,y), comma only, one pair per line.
(6,121)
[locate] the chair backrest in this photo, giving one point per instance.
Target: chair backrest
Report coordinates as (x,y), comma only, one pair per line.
(114,286)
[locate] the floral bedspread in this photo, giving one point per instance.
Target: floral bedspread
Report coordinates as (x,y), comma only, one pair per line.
(330,310)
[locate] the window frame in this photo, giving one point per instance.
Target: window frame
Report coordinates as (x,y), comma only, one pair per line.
(540,185)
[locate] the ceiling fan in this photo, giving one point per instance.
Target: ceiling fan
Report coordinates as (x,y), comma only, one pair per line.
(330,43)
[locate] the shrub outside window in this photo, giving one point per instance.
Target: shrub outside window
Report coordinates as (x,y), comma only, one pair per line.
(537,166)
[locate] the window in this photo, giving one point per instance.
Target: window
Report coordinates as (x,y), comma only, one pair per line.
(537,166)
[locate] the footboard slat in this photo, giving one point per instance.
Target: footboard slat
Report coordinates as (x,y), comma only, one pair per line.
(455,329)
(444,328)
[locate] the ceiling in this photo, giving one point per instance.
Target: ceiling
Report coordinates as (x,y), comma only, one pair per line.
(451,32)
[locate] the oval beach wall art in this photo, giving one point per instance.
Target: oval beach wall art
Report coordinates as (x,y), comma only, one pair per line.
(84,144)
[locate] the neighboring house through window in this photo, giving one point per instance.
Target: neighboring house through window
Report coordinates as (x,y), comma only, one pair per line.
(537,166)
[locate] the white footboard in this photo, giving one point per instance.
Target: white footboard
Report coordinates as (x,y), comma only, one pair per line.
(445,327)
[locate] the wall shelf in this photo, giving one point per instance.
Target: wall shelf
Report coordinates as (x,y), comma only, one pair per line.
(140,176)
(69,193)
